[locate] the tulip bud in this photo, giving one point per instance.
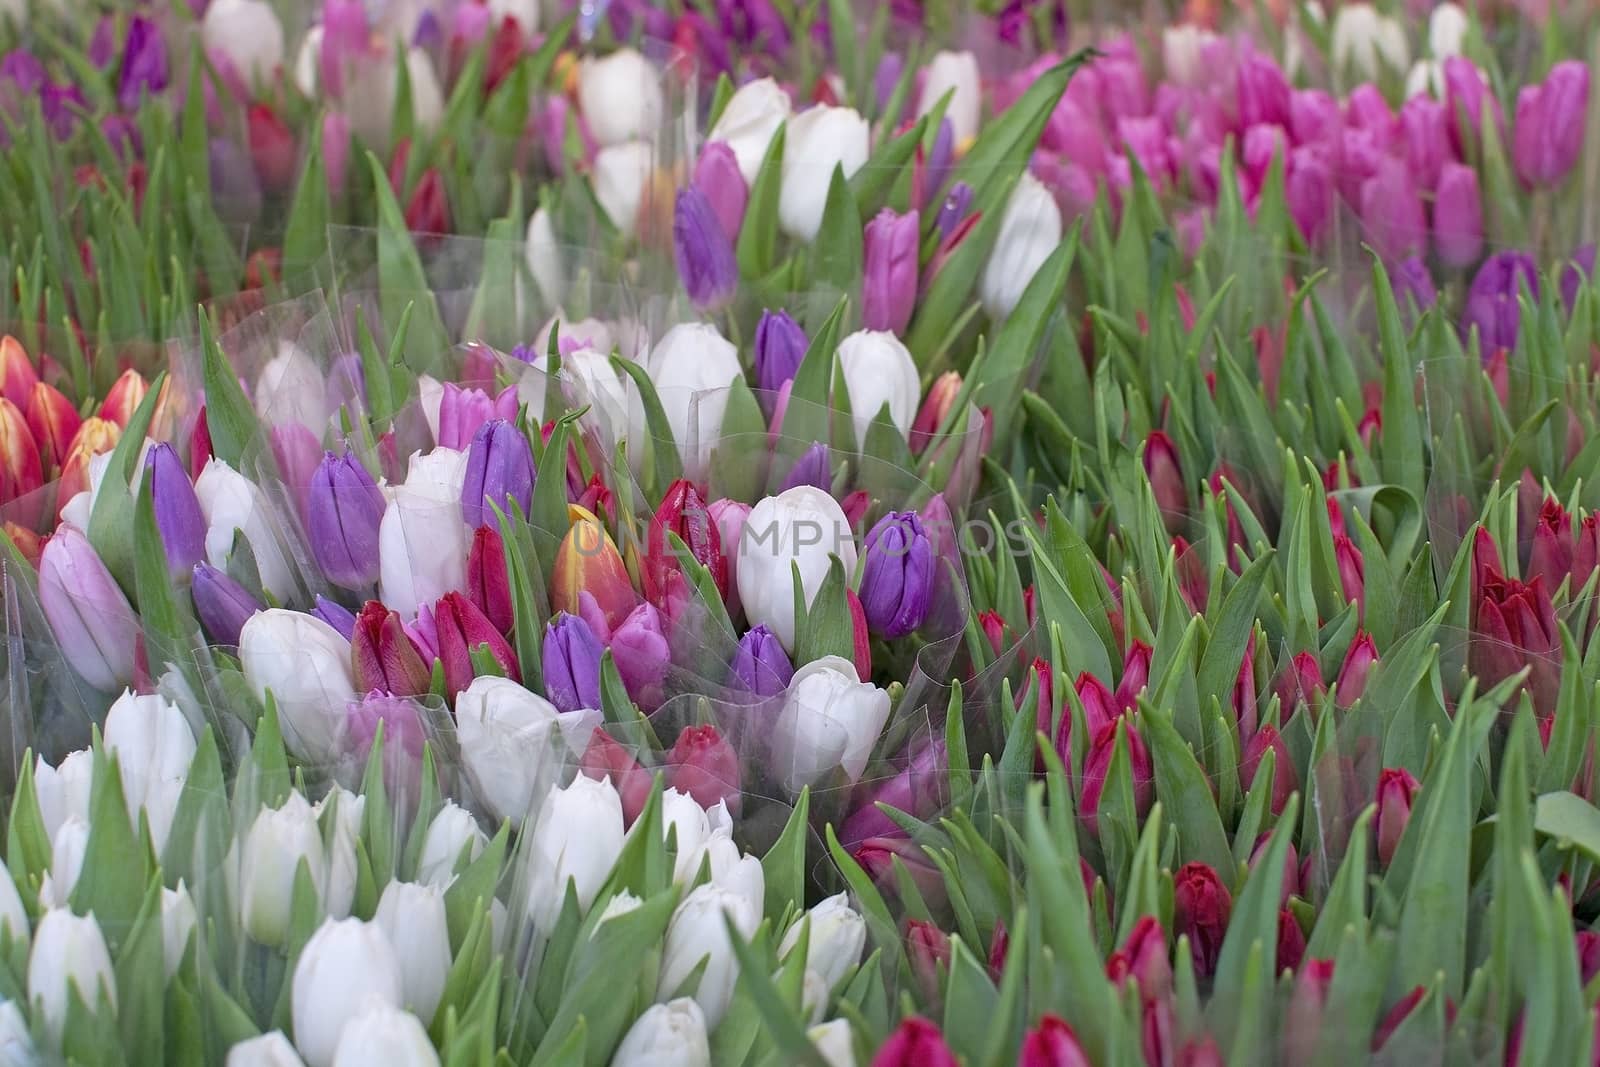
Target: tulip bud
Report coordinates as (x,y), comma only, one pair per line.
(620,97)
(703,765)
(1549,124)
(347,967)
(428,209)
(780,345)
(576,839)
(1303,1020)
(1397,792)
(749,121)
(488,586)
(462,629)
(154,746)
(605,758)
(464,412)
(1030,230)
(69,953)
(278,841)
(1166,479)
(837,933)
(1588,948)
(1098,763)
(88,613)
(412,916)
(1052,1044)
(673,1033)
(1143,958)
(234,507)
(935,409)
(889,278)
(1458,216)
(382,657)
(918,790)
(177,510)
(52,423)
(247,37)
(1353,672)
(818,140)
(1352,580)
(1492,305)
(717,178)
(1395,1016)
(639,648)
(829,718)
(928,950)
(897,582)
(571,662)
(17,373)
(341,618)
(587,561)
(801,528)
(760,666)
(381,1035)
(452,834)
(305,664)
(683,513)
(915,1043)
(269,1050)
(702,250)
(1284,779)
(499,472)
(124,398)
(877,857)
(861,644)
(1202,905)
(272,148)
(21,470)
(178,920)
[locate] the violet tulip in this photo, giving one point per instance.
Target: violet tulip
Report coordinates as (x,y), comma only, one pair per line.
(1425,124)
(1413,285)
(1574,276)
(897,579)
(87,611)
(760,665)
(1201,907)
(717,175)
(702,250)
(144,63)
(344,508)
(499,471)
(1458,216)
(1493,301)
(464,411)
(1309,190)
(953,209)
(889,279)
(1397,793)
(780,346)
(178,517)
(639,648)
(813,468)
(1549,124)
(917,790)
(382,656)
(403,739)
(1392,211)
(222,604)
(335,615)
(463,630)
(704,765)
(571,660)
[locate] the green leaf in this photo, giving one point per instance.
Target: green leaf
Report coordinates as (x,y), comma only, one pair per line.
(836,253)
(111,522)
(230,418)
(784,865)
(305,239)
(114,858)
(474,888)
(401,277)
(758,237)
(1572,821)
(1184,791)
(1254,922)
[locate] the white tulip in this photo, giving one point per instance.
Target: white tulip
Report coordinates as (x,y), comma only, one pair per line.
(68,952)
(955,73)
(269,1050)
(802,527)
(514,744)
(666,1035)
(682,816)
(248,35)
(305,664)
(384,1036)
(290,388)
(878,370)
(1425,76)
(67,851)
(833,1041)
(1030,230)
(231,503)
(838,933)
(1447,31)
(64,792)
(178,920)
(621,172)
(430,395)
(345,967)
(13,915)
(818,140)
(77,511)
(697,932)
(830,718)
(427,98)
(544,258)
(733,870)
(422,540)
(452,832)
(412,916)
(620,97)
(813,996)
(577,838)
(307,62)
(749,121)
(1183,53)
(1364,42)
(278,841)
(344,830)
(692,367)
(154,747)
(16,1041)
(526,12)
(619,905)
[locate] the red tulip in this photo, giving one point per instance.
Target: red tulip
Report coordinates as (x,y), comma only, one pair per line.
(928,949)
(606,758)
(1302,1026)
(382,656)
(488,585)
(1097,764)
(53,422)
(462,629)
(1201,906)
(1291,941)
(1166,479)
(272,148)
(916,1043)
(682,512)
(704,765)
(428,210)
(1052,1044)
(1284,779)
(1143,958)
(1359,660)
(1135,675)
(1352,577)
(1397,794)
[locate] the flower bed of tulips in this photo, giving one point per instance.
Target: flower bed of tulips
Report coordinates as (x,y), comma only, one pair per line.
(757,533)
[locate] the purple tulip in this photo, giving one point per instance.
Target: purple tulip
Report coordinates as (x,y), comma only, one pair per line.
(937,168)
(1576,274)
(571,660)
(103,42)
(897,581)
(885,80)
(1493,306)
(956,204)
(463,412)
(335,615)
(717,176)
(639,648)
(1263,91)
(297,453)
(122,134)
(889,282)
(1458,216)
(499,470)
(1466,95)
(347,383)
(780,346)
(1427,134)
(1308,188)
(1314,117)
(429,33)
(1392,211)
(702,250)
(918,790)
(1413,284)
(144,63)
(93,623)
(1366,109)
(403,738)
(1550,117)
(222,604)
(61,105)
(760,666)
(23,69)
(178,517)
(343,510)
(344,35)
(812,468)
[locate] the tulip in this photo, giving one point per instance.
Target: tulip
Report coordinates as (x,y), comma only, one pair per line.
(897,580)
(571,662)
(1284,778)
(1262,90)
(346,967)
(692,366)
(1549,124)
(605,758)
(760,666)
(1425,125)
(837,934)
(177,509)
(928,952)
(861,641)
(1395,1016)
(68,849)
(1303,1018)
(18,375)
(877,857)
(463,412)
(703,765)
(383,659)
(488,585)
(52,423)
(801,528)
(1364,42)
(819,140)
(1097,764)
(69,952)
(1143,958)
(672,1034)
(879,372)
(403,739)
(269,1050)
(683,513)
(639,648)
(63,792)
(1030,230)
(1493,306)
(620,97)
(341,618)
(178,921)
(272,148)
(620,174)
(576,841)
(235,507)
(422,542)
(780,345)
(834,1043)
(1052,1044)
(246,36)
(124,398)
(21,470)
(698,933)
(918,790)
(1392,211)
(543,256)
(278,841)
(1458,216)
(749,121)
(412,916)
(829,718)
(452,838)
(1514,627)
(306,666)
(703,250)
(915,1043)
(154,746)
(95,436)
(1397,792)
(588,563)
(717,177)
(514,743)
(90,617)
(1352,580)
(499,473)
(1201,908)
(1167,483)
(1353,672)
(383,1034)
(814,468)
(1574,276)
(13,916)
